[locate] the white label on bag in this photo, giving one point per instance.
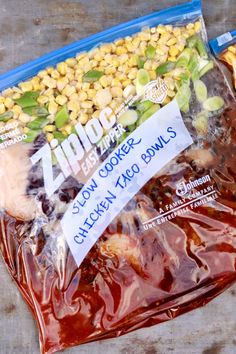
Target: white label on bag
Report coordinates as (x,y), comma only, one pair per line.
(137,159)
(224,38)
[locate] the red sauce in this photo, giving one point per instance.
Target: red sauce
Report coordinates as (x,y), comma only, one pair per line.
(142,277)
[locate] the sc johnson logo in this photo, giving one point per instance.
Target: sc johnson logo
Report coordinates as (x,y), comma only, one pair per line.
(183,188)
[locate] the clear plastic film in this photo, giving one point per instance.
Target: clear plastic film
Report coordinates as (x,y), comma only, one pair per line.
(118,176)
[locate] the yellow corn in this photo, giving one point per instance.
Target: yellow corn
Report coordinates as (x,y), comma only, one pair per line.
(49,82)
(49,128)
(42,99)
(61,67)
(73,106)
(26,86)
(24,118)
(61,100)
(2,108)
(52,107)
(174,51)
(83,118)
(50,137)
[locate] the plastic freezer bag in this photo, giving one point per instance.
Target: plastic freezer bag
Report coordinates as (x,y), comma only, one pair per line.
(117,181)
(224,48)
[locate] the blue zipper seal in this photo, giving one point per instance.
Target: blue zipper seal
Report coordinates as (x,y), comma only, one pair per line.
(178,14)
(217,48)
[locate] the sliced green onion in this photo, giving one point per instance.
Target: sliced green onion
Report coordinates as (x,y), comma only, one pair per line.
(152,110)
(192,41)
(202,48)
(36,111)
(183,97)
(206,68)
(128,118)
(142,80)
(144,106)
(201,123)
(165,68)
(59,136)
(213,104)
(150,52)
(184,58)
(38,123)
(6,116)
(28,99)
(92,76)
(200,91)
(140,62)
(61,117)
(31,136)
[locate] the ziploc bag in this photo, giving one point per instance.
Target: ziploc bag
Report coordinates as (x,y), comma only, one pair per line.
(118,179)
(224,48)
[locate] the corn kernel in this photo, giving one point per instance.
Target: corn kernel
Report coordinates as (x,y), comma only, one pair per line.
(110,70)
(55,74)
(91,93)
(82,96)
(73,106)
(119,42)
(26,86)
(190,26)
(97,86)
(26,130)
(126,82)
(152,74)
(116,82)
(9,103)
(87,104)
(144,36)
(67,129)
(49,92)
(83,118)
(2,108)
(42,99)
(172,59)
(24,118)
(52,107)
(49,82)
(133,73)
(61,83)
(61,67)
(2,99)
(86,86)
(71,62)
(103,81)
(197,26)
(61,100)
(49,128)
(96,113)
(174,51)
(191,32)
(176,31)
(116,91)
(42,73)
(121,50)
(171,93)
(171,41)
(16,110)
(161,30)
(68,90)
(50,137)
(73,117)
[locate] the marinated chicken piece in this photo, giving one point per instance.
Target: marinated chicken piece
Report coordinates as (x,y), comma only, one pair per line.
(202,157)
(14,180)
